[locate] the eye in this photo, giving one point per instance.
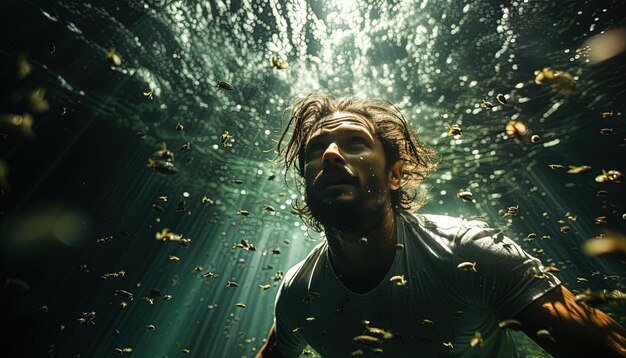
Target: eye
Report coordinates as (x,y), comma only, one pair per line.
(312,152)
(356,143)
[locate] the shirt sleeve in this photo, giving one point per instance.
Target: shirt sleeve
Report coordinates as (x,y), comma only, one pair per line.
(507,278)
(288,342)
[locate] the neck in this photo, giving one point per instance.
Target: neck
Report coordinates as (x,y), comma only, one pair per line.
(362,264)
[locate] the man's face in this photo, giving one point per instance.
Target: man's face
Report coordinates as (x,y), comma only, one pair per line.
(344,171)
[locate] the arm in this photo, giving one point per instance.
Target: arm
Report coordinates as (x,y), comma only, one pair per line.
(577,331)
(270,348)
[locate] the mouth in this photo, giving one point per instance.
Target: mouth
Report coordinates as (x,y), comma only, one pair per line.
(334,179)
(330,185)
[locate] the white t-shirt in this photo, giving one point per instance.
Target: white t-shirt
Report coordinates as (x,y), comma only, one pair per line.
(458,302)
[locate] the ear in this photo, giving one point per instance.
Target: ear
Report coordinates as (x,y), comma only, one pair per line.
(395,175)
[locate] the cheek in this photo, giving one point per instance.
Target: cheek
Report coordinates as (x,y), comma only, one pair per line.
(375,180)
(310,171)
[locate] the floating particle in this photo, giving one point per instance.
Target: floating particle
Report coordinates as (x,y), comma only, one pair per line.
(399,280)
(551,269)
(511,211)
(278,276)
(16,284)
(164,153)
(104,239)
(122,350)
(606,45)
(608,243)
(510,324)
(366,340)
(477,340)
(545,334)
(559,80)
(185,147)
(34,100)
(166,235)
(279,63)
(515,129)
(486,104)
(224,86)
(454,129)
(226,138)
(161,166)
(465,195)
(114,57)
(610,175)
(578,169)
(466,266)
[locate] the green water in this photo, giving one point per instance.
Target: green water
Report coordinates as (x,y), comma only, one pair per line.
(435,60)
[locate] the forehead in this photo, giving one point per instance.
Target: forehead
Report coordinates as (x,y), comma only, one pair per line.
(341,121)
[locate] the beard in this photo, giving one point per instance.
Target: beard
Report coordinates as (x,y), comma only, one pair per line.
(347,214)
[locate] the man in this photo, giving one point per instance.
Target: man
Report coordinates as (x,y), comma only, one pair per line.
(388,282)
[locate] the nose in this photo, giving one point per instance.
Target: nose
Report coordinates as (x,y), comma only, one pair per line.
(332,155)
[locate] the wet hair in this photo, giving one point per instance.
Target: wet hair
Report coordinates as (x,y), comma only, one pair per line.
(390,127)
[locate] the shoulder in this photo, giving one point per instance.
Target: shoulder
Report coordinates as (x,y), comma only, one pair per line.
(454,231)
(298,277)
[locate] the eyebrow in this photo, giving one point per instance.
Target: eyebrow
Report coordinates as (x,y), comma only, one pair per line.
(354,132)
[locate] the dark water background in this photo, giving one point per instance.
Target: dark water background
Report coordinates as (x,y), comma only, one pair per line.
(84,177)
